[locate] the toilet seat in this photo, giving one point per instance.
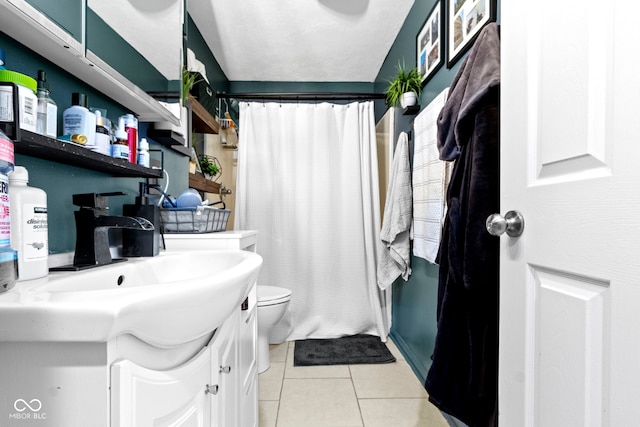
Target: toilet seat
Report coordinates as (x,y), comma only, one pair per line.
(272,295)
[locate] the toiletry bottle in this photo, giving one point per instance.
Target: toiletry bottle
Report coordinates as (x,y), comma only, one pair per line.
(26,102)
(131,126)
(29,230)
(120,147)
(143,153)
(8,256)
(103,139)
(78,119)
(47,108)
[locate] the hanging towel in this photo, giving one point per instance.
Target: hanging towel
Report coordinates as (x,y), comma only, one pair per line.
(430,178)
(396,225)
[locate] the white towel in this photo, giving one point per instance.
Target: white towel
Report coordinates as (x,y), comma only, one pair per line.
(395,258)
(430,178)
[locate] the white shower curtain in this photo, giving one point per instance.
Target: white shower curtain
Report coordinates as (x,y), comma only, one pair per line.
(308,182)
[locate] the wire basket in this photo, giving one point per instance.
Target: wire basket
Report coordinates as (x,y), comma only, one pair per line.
(201,219)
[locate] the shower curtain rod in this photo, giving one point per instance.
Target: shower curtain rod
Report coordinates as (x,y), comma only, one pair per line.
(302,96)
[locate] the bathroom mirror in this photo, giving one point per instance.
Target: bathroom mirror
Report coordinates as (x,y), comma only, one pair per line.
(140,39)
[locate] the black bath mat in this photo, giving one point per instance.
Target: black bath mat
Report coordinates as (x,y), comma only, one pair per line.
(352,350)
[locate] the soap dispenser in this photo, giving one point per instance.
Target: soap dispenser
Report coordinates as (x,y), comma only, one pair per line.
(142,243)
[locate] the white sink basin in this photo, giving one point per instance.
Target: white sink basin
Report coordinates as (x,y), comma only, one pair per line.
(165,301)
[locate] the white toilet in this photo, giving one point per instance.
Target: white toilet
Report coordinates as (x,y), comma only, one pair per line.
(272,303)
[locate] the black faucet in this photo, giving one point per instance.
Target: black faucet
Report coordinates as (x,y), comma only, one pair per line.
(92,228)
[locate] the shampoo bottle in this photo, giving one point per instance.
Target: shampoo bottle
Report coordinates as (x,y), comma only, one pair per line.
(78,119)
(8,256)
(29,229)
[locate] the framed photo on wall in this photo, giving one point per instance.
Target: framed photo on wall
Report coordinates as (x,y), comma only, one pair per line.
(429,44)
(465,19)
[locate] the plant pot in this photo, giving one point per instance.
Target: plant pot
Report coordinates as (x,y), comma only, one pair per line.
(408,99)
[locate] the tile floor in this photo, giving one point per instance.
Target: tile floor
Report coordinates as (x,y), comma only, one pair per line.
(385,395)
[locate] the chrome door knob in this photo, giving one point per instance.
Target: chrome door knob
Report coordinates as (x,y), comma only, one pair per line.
(512,223)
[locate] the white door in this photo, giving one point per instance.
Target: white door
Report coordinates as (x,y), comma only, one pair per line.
(570,285)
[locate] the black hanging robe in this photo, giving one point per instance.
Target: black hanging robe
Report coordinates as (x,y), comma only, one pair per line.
(463,377)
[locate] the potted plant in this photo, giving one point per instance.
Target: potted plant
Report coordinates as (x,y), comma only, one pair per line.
(404,88)
(188,80)
(209,165)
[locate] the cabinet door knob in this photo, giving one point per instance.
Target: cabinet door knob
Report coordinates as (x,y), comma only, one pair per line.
(225,369)
(211,389)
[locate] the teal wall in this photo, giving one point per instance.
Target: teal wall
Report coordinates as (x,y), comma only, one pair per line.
(60,181)
(414,302)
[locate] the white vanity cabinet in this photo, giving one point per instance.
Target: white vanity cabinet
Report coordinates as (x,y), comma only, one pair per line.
(248,365)
(225,372)
(210,390)
(145,397)
(242,240)
(244,408)
(210,382)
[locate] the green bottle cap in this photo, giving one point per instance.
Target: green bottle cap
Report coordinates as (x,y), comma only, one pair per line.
(19,79)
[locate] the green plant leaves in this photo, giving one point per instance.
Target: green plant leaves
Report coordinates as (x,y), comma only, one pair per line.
(406,80)
(209,165)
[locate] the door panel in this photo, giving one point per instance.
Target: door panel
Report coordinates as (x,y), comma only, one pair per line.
(568,130)
(571,329)
(569,285)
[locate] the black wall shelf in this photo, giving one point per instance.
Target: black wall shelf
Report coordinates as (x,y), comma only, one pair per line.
(411,110)
(169,138)
(42,147)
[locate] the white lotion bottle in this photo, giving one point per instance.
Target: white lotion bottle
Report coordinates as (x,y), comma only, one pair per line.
(29,228)
(78,119)
(143,153)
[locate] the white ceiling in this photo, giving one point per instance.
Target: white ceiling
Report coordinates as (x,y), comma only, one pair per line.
(300,40)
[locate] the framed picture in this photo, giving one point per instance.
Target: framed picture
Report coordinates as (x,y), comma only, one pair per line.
(465,19)
(429,44)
